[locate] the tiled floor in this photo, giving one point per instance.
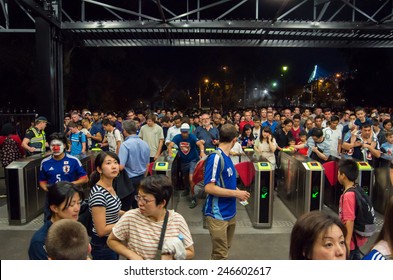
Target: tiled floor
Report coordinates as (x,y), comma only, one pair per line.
(249,243)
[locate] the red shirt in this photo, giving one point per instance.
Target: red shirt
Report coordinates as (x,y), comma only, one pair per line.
(243,123)
(346,212)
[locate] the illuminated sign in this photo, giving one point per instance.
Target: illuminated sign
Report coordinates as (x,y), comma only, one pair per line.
(314,165)
(362,165)
(263,166)
(161,166)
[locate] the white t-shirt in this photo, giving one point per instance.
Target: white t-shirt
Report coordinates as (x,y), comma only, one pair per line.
(152,136)
(112,138)
(332,137)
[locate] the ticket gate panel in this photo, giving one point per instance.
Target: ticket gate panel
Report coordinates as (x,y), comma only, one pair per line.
(366,177)
(260,207)
(164,167)
(382,189)
(301,185)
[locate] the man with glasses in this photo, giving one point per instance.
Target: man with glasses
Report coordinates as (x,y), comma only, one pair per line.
(207,133)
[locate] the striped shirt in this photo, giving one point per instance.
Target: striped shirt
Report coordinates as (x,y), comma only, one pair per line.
(100,197)
(142,234)
(374,255)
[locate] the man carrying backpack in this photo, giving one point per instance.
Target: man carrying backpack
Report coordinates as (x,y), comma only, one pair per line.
(220,185)
(355,209)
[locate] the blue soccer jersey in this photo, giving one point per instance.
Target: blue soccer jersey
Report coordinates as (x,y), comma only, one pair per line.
(220,208)
(69,168)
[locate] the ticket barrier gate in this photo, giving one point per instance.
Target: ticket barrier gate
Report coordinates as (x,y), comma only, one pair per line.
(25,198)
(260,207)
(382,189)
(301,184)
(163,165)
(366,177)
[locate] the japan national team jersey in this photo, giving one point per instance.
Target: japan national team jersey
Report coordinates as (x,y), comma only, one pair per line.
(68,169)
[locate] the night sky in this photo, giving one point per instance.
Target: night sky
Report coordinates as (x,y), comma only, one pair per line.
(117,77)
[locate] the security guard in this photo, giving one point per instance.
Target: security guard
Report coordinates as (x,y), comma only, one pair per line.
(35,141)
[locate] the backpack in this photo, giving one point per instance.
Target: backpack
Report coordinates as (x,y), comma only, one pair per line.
(199,171)
(9,151)
(85,217)
(364,224)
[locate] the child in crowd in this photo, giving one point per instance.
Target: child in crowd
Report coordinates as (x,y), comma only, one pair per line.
(67,240)
(78,140)
(347,174)
(302,140)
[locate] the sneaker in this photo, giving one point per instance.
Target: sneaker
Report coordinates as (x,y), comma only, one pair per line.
(193,204)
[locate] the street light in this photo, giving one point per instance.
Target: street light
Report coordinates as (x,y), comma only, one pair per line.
(284,70)
(206,81)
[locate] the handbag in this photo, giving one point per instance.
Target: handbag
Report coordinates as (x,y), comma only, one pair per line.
(123,185)
(163,230)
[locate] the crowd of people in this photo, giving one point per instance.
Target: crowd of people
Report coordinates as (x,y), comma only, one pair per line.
(130,142)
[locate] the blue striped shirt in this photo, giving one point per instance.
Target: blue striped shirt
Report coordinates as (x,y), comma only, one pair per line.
(374,255)
(100,197)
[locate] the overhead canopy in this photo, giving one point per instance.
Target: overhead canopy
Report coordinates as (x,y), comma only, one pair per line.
(232,23)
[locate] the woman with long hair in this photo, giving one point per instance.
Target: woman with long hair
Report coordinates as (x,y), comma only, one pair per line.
(247,138)
(266,145)
(104,204)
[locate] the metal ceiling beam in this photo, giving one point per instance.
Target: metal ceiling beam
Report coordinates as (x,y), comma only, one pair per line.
(38,9)
(231,19)
(226,24)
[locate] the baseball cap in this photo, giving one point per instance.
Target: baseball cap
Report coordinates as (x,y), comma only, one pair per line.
(41,119)
(86,112)
(185,127)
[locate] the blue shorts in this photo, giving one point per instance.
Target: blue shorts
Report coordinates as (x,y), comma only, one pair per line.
(188,167)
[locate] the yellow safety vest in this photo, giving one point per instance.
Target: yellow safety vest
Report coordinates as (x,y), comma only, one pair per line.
(38,141)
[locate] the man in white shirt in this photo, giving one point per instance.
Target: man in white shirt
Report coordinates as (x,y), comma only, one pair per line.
(173,130)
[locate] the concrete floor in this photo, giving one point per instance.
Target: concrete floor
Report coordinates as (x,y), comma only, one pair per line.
(249,243)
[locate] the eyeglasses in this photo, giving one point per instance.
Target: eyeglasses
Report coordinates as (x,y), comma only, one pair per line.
(142,199)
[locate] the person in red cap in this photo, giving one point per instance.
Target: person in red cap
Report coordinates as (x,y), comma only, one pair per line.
(34,141)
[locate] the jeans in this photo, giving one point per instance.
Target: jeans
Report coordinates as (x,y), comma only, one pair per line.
(101,251)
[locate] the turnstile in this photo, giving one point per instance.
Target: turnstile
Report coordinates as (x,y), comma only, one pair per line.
(366,177)
(25,198)
(383,188)
(301,183)
(260,207)
(163,165)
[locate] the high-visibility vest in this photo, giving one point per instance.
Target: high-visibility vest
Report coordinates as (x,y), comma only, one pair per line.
(38,141)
